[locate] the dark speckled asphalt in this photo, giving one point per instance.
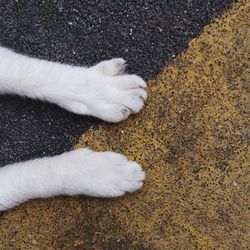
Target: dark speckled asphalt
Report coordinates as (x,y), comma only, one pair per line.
(148,34)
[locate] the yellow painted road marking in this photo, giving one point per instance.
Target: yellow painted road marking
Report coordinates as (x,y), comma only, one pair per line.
(190,138)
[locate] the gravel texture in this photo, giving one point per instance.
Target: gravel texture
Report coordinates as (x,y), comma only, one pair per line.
(192,139)
(148,34)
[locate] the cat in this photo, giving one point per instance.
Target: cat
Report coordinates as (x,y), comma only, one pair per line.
(102,91)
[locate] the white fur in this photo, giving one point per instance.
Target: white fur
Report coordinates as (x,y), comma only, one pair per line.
(82,171)
(101,91)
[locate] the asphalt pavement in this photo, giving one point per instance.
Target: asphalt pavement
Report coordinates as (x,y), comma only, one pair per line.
(148,34)
(191,138)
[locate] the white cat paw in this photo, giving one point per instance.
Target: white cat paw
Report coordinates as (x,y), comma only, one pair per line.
(79,172)
(112,67)
(102,91)
(118,97)
(104,174)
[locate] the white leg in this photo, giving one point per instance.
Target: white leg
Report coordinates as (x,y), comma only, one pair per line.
(101,91)
(82,171)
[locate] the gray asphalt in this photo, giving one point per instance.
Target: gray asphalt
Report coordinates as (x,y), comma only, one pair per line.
(148,34)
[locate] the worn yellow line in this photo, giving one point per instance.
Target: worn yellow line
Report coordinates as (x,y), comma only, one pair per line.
(202,238)
(185,138)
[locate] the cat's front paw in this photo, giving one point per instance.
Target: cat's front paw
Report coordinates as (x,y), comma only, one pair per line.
(103,174)
(116,95)
(102,91)
(112,67)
